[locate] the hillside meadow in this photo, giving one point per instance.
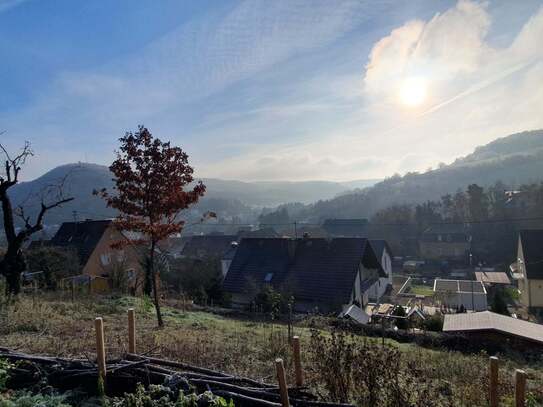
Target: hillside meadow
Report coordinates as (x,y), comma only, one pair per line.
(337,366)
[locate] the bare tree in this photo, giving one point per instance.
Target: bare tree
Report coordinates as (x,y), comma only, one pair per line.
(13,264)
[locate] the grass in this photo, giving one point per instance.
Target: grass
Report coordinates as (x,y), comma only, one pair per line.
(48,324)
(422,290)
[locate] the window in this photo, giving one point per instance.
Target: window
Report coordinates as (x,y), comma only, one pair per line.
(105,259)
(131,274)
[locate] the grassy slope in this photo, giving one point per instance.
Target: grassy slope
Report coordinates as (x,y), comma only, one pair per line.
(60,327)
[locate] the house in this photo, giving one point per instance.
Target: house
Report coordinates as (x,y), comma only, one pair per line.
(445,242)
(384,254)
(92,240)
(530,268)
(227,257)
(346,227)
(486,325)
(323,274)
(492,278)
(199,247)
(455,294)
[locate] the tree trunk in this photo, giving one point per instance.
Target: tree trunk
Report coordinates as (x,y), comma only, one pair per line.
(12,266)
(148,278)
(155,286)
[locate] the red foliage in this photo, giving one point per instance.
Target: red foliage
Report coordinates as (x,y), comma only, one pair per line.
(152,180)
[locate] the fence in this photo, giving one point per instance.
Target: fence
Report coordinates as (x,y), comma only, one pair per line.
(131,340)
(519,375)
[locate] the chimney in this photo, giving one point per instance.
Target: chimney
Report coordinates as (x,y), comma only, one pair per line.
(306,235)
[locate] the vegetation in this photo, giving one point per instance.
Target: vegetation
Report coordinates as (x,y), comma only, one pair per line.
(150,181)
(50,325)
(13,263)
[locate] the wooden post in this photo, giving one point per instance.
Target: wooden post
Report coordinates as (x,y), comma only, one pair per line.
(520,388)
(100,347)
(297,361)
(131,331)
(282,382)
(494,381)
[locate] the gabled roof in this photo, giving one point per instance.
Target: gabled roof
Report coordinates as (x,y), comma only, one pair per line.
(82,236)
(532,248)
(486,320)
(208,245)
(379,246)
(312,269)
(492,277)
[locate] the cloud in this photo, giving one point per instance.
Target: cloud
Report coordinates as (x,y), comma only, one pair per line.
(6,5)
(452,52)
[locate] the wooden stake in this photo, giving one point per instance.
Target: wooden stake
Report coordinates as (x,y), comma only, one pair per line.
(494,381)
(282,382)
(131,331)
(520,388)
(100,347)
(297,361)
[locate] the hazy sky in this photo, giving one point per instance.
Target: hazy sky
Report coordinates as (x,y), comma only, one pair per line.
(263,90)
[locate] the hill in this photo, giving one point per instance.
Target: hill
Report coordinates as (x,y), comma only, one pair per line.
(229,199)
(514,160)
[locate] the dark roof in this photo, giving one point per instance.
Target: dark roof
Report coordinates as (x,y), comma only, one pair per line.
(311,269)
(264,232)
(208,245)
(532,248)
(346,227)
(82,236)
(379,245)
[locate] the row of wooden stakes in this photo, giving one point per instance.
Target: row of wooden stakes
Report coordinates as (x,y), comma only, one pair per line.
(279,365)
(520,384)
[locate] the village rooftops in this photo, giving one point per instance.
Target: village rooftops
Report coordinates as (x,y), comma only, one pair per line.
(459,286)
(492,277)
(314,269)
(490,321)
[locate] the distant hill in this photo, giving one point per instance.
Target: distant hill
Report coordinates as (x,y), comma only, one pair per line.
(514,160)
(227,198)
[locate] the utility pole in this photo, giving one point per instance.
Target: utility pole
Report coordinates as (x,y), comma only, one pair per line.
(295,230)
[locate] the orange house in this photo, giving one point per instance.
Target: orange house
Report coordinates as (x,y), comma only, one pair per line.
(101,264)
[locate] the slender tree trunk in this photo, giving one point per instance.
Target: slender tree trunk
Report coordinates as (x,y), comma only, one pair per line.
(155,285)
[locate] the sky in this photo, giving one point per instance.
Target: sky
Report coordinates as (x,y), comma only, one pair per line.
(270,90)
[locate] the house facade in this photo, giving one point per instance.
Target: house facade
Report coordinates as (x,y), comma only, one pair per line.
(92,241)
(445,242)
(384,254)
(320,274)
(530,268)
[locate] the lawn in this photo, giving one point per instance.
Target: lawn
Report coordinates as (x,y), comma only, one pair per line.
(50,325)
(422,290)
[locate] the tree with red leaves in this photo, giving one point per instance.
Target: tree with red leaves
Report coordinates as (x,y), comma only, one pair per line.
(151,189)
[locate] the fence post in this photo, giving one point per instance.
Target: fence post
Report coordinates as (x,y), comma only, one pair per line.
(494,381)
(100,347)
(520,388)
(297,361)
(131,331)
(282,382)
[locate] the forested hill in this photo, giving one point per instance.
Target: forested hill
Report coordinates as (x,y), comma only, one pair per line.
(230,199)
(514,160)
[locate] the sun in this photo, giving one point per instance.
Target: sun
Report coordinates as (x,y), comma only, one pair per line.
(413,91)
